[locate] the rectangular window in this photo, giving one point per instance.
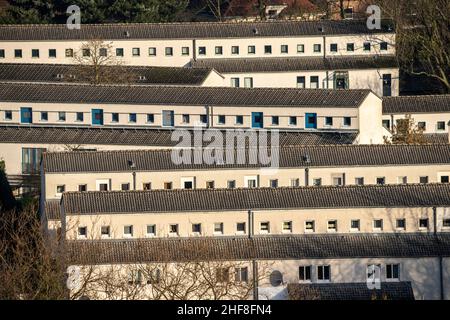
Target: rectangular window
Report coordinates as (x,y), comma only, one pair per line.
(79,116)
(301,82)
(367,46)
(239,120)
(136,52)
(241,274)
(378,224)
(332,226)
(393,272)
(221,119)
(240,228)
(132,118)
(275,120)
(317,48)
(350,47)
(268,49)
(386,124)
(264,227)
(35,53)
(125,187)
(231,184)
(173,229)
(2,53)
(209,184)
(248,82)
(328,121)
(251,49)
(17,53)
(218,228)
(82,232)
(292,121)
(381,180)
(284,48)
(114,117)
(168,118)
(119,52)
(383,46)
(185,51)
(446,223)
(444,179)
(201,51)
(295,182)
(61,116)
(103,187)
(309,226)
(86,52)
(60,189)
(234,50)
(400,224)
(323,273)
(273,183)
(150,118)
(317,182)
(235,82)
(105,231)
(103,52)
(151,230)
(422,125)
(304,273)
(152,52)
(402,180)
(423,224)
(300,48)
(8,115)
(128,231)
(337,181)
(82,188)
(287,227)
(186,118)
(168,185)
(347,121)
(355,225)
(52,53)
(223,275)
(218,50)
(196,228)
(147,186)
(169,51)
(204,118)
(359,181)
(423,180)
(440,125)
(333,47)
(314,82)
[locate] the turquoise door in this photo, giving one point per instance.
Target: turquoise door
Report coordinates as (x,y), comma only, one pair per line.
(97,117)
(257,120)
(311,120)
(26,115)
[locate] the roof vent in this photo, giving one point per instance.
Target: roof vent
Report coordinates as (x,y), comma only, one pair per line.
(321,29)
(307,158)
(255,31)
(127,34)
(142,78)
(60,76)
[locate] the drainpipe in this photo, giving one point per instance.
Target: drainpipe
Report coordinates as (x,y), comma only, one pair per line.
(392,122)
(435,221)
(343,179)
(251,229)
(306,177)
(441,260)
(194,50)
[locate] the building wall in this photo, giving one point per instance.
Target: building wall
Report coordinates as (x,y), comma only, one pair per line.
(221,177)
(431,119)
(275,218)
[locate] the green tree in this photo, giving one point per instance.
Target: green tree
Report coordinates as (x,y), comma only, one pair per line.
(29,11)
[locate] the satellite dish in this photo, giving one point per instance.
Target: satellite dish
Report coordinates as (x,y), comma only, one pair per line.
(276,278)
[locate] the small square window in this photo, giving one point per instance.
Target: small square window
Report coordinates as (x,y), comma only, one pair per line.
(367,46)
(268,49)
(264,227)
(82,188)
(114,117)
(423,180)
(332,225)
(317,48)
(422,125)
(317,182)
(201,51)
(119,52)
(444,179)
(275,120)
(310,226)
(400,224)
(323,273)
(383,46)
(186,118)
(82,232)
(152,52)
(185,51)
(359,181)
(125,187)
(173,229)
(378,224)
(103,52)
(147,186)
(44,116)
(329,121)
(301,82)
(150,118)
(218,50)
(423,224)
(218,228)
(314,82)
(168,185)
(273,183)
(402,180)
(61,188)
(169,51)
(231,184)
(304,273)
(210,185)
(284,48)
(393,272)
(240,228)
(381,180)
(338,181)
(235,82)
(248,82)
(300,48)
(234,50)
(8,115)
(333,47)
(203,118)
(103,187)
(239,120)
(86,52)
(287,226)
(196,228)
(446,223)
(221,119)
(105,231)
(151,230)
(61,116)
(69,53)
(2,53)
(386,124)
(79,116)
(295,183)
(35,53)
(136,52)
(128,231)
(355,225)
(251,49)
(350,47)
(347,121)
(292,121)
(17,53)
(441,125)
(132,118)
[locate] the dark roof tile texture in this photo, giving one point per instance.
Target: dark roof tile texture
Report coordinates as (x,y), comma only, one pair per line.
(259,247)
(188,30)
(184,96)
(387,196)
(289,157)
(416,104)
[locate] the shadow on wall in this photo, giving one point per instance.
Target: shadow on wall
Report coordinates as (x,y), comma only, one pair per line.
(7,200)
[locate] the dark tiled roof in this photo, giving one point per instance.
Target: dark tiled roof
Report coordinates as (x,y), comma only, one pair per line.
(296,64)
(143,137)
(174,95)
(259,247)
(53,72)
(436,138)
(290,157)
(387,196)
(188,30)
(53,209)
(416,104)
(350,291)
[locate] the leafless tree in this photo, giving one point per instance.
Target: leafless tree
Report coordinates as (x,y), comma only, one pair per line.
(406,131)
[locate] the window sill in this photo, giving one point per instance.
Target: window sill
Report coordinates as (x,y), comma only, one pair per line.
(128,236)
